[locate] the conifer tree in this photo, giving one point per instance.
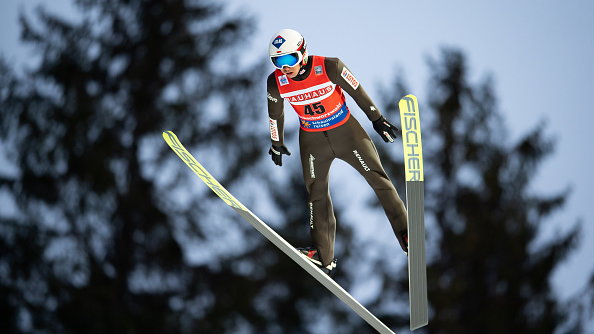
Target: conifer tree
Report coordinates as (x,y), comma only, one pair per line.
(485,273)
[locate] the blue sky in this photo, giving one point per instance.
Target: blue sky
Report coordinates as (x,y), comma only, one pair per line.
(540,53)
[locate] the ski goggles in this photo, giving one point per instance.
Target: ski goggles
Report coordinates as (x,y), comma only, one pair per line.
(290,60)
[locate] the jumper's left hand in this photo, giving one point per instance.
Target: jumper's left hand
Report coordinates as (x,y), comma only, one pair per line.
(387,131)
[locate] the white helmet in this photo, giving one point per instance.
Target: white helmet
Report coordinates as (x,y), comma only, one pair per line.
(287,48)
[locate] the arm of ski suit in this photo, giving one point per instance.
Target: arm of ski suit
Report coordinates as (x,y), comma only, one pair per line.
(276,115)
(276,120)
(340,74)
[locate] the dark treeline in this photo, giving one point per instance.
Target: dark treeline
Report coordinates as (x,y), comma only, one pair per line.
(485,274)
(110,232)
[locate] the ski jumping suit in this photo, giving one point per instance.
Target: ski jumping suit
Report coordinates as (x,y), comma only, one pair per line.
(329,131)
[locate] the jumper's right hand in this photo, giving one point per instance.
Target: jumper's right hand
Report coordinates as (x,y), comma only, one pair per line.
(277,154)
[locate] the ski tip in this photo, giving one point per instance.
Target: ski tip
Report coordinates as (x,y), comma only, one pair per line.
(168,134)
(410,96)
(407,100)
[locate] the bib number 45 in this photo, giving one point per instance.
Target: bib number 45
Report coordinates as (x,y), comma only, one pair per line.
(314,108)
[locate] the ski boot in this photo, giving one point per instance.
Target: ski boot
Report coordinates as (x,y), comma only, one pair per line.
(402,237)
(312,255)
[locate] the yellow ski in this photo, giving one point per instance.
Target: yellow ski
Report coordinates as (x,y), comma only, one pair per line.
(271,235)
(413,165)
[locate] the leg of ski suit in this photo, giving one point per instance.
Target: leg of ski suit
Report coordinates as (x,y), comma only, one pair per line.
(350,143)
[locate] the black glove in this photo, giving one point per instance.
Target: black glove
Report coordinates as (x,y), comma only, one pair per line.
(386,130)
(277,154)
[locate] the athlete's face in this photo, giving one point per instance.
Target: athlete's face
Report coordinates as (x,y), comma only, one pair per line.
(291,72)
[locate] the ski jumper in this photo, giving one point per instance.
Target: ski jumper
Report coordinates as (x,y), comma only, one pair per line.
(329,131)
